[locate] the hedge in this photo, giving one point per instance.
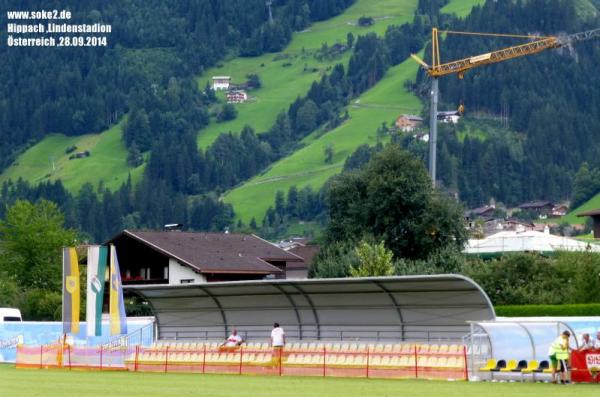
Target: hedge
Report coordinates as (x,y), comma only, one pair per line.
(585,309)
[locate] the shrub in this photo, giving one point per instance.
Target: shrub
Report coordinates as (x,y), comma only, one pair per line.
(585,309)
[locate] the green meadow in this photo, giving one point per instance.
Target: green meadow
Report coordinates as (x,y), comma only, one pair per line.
(48,161)
(307,167)
(289,74)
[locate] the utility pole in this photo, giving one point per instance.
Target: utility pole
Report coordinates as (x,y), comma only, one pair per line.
(433,130)
(269,3)
(437,69)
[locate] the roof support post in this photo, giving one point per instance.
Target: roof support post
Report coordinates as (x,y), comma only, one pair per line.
(218,303)
(312,306)
(396,305)
(289,298)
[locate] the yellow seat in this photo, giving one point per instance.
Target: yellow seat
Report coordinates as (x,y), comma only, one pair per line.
(395,361)
(455,349)
(378,348)
(531,367)
(405,361)
(423,348)
(387,348)
(375,360)
(385,361)
(432,361)
(443,348)
(434,348)
(510,365)
(406,348)
(396,348)
(489,365)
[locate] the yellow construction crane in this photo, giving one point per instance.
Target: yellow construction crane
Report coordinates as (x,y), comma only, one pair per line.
(438,69)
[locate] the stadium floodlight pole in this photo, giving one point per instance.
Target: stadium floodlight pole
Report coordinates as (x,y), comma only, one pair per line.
(433,130)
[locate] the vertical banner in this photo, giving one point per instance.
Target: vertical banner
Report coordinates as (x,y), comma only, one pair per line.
(96,274)
(70,298)
(118,323)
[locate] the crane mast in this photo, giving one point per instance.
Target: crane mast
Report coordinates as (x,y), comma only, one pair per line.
(438,69)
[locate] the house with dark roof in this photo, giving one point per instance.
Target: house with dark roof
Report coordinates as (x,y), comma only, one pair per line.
(541,207)
(176,257)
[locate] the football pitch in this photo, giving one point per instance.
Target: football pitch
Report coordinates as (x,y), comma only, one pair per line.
(61,383)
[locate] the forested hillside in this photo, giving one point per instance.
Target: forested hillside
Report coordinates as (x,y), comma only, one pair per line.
(154,46)
(147,81)
(552,100)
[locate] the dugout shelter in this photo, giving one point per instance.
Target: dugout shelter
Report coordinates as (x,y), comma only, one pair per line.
(428,308)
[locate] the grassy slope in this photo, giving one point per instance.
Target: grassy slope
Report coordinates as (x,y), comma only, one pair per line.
(572,218)
(306,167)
(461,8)
(55,383)
(107,162)
(281,85)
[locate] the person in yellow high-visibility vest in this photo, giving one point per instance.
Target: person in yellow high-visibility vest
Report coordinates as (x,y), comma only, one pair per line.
(559,355)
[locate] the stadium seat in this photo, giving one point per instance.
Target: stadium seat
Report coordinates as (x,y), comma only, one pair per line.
(378,348)
(490,365)
(396,348)
(360,360)
(434,348)
(454,349)
(499,365)
(532,366)
(375,360)
(404,361)
(423,348)
(394,361)
(387,348)
(444,349)
(406,348)
(431,361)
(510,365)
(450,362)
(521,365)
(385,361)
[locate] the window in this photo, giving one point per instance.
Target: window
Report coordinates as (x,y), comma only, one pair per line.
(187,281)
(166,272)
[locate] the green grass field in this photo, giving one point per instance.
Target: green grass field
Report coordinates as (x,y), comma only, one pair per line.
(107,163)
(59,383)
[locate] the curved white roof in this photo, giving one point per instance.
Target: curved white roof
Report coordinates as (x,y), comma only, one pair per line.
(527,241)
(374,308)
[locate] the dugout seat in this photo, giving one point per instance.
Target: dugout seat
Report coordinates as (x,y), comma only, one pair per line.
(532,366)
(489,366)
(510,365)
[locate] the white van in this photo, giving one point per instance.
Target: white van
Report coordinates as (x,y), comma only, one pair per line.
(9,315)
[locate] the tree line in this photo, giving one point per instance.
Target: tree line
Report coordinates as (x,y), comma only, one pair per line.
(85,90)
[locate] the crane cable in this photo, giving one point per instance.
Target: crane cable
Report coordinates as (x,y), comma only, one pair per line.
(518,36)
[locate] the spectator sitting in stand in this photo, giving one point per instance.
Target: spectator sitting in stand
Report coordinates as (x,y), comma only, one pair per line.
(233,341)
